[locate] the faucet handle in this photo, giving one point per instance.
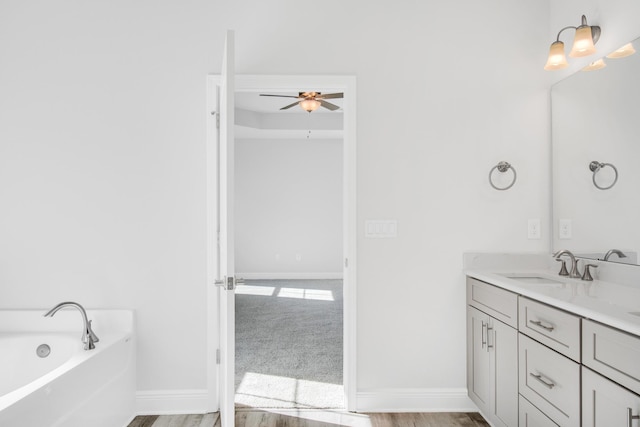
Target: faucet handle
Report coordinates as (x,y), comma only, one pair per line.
(563,269)
(587,274)
(92,334)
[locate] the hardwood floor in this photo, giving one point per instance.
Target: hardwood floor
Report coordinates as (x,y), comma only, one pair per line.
(311,418)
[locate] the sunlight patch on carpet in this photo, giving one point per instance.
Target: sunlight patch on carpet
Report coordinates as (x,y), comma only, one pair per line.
(298,293)
(255,290)
(270,391)
(315,294)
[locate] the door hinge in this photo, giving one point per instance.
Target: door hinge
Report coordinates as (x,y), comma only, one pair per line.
(217,356)
(346,263)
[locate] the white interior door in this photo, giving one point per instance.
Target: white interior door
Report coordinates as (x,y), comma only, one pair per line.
(226,269)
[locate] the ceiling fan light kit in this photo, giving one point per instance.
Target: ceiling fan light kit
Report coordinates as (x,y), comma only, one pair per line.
(311,101)
(309,104)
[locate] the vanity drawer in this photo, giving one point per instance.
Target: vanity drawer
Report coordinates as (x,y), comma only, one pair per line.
(613,353)
(550,381)
(530,416)
(496,302)
(552,327)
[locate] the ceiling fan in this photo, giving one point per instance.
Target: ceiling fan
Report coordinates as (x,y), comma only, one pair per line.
(311,101)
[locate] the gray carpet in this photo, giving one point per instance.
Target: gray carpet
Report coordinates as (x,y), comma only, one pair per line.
(289,344)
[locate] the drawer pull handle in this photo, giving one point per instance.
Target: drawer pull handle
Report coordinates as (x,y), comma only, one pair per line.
(541,325)
(549,385)
(631,417)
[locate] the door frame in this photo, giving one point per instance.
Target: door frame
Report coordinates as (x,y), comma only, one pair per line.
(285,83)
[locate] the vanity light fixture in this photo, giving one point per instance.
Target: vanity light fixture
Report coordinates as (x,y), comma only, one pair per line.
(596,65)
(624,51)
(583,45)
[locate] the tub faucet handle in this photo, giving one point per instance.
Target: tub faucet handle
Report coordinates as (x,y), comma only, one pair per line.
(89,338)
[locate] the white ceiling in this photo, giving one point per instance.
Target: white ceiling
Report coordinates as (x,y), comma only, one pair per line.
(260,117)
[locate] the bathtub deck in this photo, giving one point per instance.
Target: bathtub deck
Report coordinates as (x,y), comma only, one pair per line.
(255,417)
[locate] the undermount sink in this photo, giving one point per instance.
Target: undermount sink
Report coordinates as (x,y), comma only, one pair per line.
(534,280)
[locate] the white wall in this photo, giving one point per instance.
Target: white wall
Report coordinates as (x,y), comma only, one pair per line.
(102,159)
(288,203)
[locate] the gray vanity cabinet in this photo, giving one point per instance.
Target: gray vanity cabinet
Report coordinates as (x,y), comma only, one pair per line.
(610,355)
(492,353)
(607,404)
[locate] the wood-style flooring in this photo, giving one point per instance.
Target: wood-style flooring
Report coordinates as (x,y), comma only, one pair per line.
(258,418)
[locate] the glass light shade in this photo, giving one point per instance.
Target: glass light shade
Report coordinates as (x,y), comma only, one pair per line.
(556,60)
(625,50)
(310,105)
(582,43)
(596,65)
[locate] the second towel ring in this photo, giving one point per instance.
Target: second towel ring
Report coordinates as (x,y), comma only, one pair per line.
(502,167)
(596,166)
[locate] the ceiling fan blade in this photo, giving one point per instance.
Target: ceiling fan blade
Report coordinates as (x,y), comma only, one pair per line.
(328,105)
(290,105)
(279,96)
(330,96)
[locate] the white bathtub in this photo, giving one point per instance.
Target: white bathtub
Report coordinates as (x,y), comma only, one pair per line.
(70,387)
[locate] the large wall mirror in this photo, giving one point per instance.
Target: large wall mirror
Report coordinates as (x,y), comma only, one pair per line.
(596,118)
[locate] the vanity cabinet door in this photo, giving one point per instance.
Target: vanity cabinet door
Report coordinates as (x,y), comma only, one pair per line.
(606,404)
(492,366)
(503,349)
(478,359)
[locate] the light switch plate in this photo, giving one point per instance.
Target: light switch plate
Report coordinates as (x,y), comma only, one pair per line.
(380,229)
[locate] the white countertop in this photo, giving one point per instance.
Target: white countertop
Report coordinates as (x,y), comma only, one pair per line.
(604,302)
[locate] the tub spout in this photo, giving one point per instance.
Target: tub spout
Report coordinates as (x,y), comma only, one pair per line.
(89,338)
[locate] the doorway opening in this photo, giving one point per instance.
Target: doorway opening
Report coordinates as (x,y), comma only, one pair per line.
(329,293)
(288,249)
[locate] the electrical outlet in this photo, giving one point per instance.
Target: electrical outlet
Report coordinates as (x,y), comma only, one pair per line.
(533,230)
(565,229)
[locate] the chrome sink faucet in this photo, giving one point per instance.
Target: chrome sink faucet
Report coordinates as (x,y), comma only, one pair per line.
(89,338)
(574,273)
(614,251)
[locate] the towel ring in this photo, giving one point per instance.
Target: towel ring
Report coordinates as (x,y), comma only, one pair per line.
(596,166)
(502,167)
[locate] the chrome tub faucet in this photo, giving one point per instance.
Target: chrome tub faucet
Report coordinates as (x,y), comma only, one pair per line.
(89,338)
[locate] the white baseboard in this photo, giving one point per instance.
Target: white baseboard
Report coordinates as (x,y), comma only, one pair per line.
(415,400)
(294,276)
(164,402)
